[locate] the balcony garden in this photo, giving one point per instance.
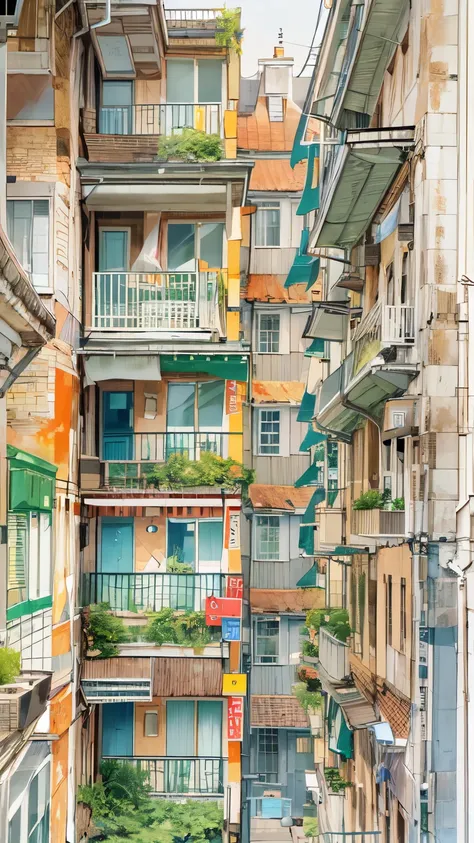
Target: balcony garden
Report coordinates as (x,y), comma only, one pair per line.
(190,145)
(376,514)
(179,471)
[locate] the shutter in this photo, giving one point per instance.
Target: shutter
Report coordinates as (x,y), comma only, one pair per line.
(209,728)
(17,550)
(180,728)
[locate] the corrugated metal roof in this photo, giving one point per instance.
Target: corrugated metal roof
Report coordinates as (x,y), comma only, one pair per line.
(270,288)
(257,132)
(122,667)
(278,712)
(286,600)
(270,392)
(187,677)
(279,497)
(275,174)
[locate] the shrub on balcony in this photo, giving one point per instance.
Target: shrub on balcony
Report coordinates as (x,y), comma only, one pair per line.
(372,499)
(336,621)
(174,566)
(190,145)
(211,470)
(309,700)
(398,504)
(105,631)
(310,649)
(9,665)
(170,627)
(229,33)
(335,781)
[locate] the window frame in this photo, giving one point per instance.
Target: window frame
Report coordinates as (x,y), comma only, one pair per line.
(147,714)
(49,287)
(260,421)
(258,659)
(33,574)
(46,121)
(196,427)
(265,207)
(403,614)
(196,81)
(21,803)
(269,332)
(197,561)
(197,755)
(257,555)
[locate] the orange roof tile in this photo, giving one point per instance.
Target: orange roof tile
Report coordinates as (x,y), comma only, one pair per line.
(279,497)
(278,392)
(256,131)
(286,600)
(276,174)
(270,288)
(395,709)
(277,712)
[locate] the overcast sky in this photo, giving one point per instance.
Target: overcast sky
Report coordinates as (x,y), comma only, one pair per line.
(261,20)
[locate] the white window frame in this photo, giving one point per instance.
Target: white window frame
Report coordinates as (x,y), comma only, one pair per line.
(268,332)
(21,803)
(197,563)
(196,82)
(284,339)
(262,207)
(262,418)
(126,228)
(257,555)
(151,713)
(40,288)
(257,659)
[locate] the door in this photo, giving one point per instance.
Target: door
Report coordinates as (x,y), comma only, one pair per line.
(209,745)
(178,114)
(117,438)
(181,246)
(117,730)
(180,437)
(300,759)
(115,305)
(116,563)
(116,113)
(211,238)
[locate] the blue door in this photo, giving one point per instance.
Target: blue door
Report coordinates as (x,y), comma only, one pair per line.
(116,545)
(115,300)
(117,730)
(300,759)
(117,441)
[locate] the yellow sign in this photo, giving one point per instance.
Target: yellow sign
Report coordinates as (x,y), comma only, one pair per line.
(234,684)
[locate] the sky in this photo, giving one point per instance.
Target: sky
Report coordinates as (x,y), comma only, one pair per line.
(262,19)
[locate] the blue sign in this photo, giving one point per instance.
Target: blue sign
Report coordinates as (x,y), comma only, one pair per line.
(231,629)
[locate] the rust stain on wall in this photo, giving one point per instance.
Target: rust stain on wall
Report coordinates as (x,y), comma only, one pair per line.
(438,79)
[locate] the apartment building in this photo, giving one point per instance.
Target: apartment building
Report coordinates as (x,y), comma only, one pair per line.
(391,765)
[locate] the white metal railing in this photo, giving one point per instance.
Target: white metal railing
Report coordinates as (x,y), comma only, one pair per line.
(143,301)
(398,324)
(333,655)
(165,119)
(191,18)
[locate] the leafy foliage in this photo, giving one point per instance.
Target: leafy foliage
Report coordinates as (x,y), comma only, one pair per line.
(398,504)
(106,631)
(211,470)
(190,145)
(335,781)
(309,676)
(336,621)
(170,627)
(174,566)
(309,700)
(122,810)
(372,499)
(311,826)
(310,649)
(9,665)
(229,32)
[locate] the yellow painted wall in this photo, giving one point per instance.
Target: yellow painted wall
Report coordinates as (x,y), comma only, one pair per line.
(149,745)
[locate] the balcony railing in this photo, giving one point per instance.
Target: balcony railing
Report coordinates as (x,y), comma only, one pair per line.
(333,655)
(128,465)
(200,776)
(398,324)
(378,522)
(161,301)
(350,837)
(163,119)
(151,592)
(191,18)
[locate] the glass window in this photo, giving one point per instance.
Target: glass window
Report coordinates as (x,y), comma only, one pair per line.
(28,230)
(269,432)
(267,641)
(210,404)
(267,528)
(151,724)
(14,828)
(181,246)
(17,557)
(267,223)
(267,753)
(182,541)
(269,333)
(210,541)
(211,238)
(180,80)
(209,80)
(180,406)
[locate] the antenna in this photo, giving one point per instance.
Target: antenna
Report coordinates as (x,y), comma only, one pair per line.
(280,37)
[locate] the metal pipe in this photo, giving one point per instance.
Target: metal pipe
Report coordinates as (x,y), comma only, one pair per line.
(108,16)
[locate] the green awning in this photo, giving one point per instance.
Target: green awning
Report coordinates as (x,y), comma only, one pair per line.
(309,477)
(331,496)
(307,407)
(305,268)
(306,540)
(341,738)
(313,437)
(300,150)
(316,349)
(310,579)
(310,198)
(317,497)
(347,550)
(226,366)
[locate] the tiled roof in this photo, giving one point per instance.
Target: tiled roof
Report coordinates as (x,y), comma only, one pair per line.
(256,131)
(278,712)
(395,709)
(286,600)
(270,288)
(279,497)
(275,174)
(363,678)
(277,392)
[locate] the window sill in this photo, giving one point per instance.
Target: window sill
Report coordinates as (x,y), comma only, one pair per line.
(30,122)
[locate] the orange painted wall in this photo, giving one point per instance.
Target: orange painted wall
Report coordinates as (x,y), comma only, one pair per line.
(59,790)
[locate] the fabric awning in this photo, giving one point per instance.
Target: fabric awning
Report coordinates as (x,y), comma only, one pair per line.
(306,540)
(313,437)
(312,579)
(102,367)
(305,268)
(307,408)
(309,514)
(309,477)
(341,738)
(327,322)
(316,349)
(227,366)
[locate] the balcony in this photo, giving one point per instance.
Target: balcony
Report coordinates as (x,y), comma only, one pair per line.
(182,776)
(24,701)
(151,592)
(378,522)
(182,20)
(350,837)
(333,656)
(160,119)
(398,325)
(141,302)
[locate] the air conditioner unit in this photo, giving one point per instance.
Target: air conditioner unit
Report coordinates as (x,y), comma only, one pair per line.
(22,702)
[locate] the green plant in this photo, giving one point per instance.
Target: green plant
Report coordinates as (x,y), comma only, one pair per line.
(310,649)
(190,145)
(161,628)
(9,665)
(398,504)
(229,33)
(106,631)
(174,566)
(335,781)
(369,500)
(311,826)
(211,470)
(336,621)
(309,700)
(191,629)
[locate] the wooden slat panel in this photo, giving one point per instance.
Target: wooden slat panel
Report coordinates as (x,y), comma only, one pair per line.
(187,677)
(117,668)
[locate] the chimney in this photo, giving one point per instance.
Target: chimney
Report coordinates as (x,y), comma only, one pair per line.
(278,52)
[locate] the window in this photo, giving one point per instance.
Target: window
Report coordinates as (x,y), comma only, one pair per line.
(194,540)
(269,333)
(29,797)
(275,109)
(267,754)
(268,432)
(28,230)
(267,641)
(267,223)
(194,418)
(267,534)
(194,728)
(303,745)
(150,724)
(403,614)
(389,610)
(29,556)
(398,419)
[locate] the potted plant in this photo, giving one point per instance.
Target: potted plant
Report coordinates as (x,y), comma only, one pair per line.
(229,33)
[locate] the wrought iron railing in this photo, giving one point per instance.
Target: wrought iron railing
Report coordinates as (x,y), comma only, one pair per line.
(181,775)
(151,592)
(163,119)
(157,301)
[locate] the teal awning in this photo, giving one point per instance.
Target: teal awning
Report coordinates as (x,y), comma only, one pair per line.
(313,437)
(310,198)
(305,268)
(332,495)
(306,540)
(300,150)
(307,407)
(229,367)
(316,349)
(309,477)
(347,550)
(317,497)
(310,579)
(341,738)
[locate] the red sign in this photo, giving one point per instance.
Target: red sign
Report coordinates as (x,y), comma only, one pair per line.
(235,718)
(222,607)
(235,587)
(231,398)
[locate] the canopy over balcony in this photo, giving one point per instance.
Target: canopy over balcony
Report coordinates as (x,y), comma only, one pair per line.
(367,164)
